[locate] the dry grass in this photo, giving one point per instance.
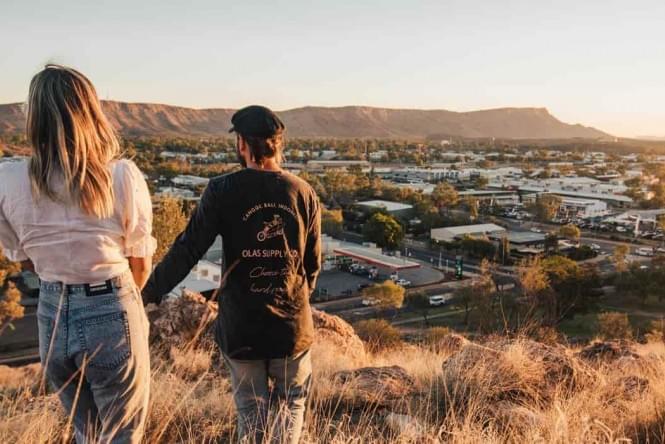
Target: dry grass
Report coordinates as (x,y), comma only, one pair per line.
(498,392)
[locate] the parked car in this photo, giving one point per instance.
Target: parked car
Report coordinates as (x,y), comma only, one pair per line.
(440,299)
(370,302)
(648,252)
(403,282)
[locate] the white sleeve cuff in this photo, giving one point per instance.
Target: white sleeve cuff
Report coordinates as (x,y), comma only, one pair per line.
(15,255)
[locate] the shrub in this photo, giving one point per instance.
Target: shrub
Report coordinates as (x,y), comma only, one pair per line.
(435,336)
(379,334)
(656,331)
(614,325)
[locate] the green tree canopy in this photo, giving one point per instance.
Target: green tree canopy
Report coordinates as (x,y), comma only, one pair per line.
(384,230)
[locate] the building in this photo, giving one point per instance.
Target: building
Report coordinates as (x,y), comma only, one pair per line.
(396,209)
(449,234)
(179,193)
(341,165)
(411,174)
(190,181)
(501,198)
(582,208)
(204,278)
(522,243)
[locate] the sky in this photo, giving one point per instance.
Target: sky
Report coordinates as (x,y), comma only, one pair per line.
(596,62)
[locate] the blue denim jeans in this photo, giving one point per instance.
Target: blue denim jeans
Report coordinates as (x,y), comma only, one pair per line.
(94,350)
(291,378)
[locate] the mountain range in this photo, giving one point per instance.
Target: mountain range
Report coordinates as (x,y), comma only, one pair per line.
(147,119)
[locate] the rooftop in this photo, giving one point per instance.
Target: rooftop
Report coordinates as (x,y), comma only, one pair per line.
(478,228)
(386,205)
(375,257)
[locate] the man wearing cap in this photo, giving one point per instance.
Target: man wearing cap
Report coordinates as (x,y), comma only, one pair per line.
(270,223)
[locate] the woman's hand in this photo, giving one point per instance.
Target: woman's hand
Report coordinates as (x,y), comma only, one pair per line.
(141,268)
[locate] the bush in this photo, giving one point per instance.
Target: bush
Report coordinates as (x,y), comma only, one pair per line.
(379,334)
(434,336)
(614,325)
(656,331)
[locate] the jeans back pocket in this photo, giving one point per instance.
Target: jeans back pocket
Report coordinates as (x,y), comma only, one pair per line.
(105,340)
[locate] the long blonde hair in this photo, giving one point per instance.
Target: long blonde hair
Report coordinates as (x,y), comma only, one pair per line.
(72,139)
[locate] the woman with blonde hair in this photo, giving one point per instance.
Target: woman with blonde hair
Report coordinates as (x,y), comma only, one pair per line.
(82,218)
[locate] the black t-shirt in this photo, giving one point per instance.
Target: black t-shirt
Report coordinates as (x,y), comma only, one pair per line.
(270,223)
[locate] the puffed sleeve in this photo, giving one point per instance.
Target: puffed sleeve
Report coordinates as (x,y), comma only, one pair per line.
(9,242)
(139,241)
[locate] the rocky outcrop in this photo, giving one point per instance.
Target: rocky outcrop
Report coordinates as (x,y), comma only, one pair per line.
(608,351)
(333,331)
(516,371)
(183,322)
(388,387)
(188,322)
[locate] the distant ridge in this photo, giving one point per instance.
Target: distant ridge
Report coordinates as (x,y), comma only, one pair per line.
(145,119)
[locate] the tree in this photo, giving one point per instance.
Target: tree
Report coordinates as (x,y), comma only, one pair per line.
(168,222)
(551,243)
(332,222)
(384,230)
(504,249)
(10,303)
(574,288)
(484,292)
(387,294)
(619,257)
(472,204)
(545,207)
(570,231)
(445,196)
(614,325)
(420,301)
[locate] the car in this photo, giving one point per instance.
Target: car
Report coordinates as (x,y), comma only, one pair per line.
(536,230)
(369,302)
(648,252)
(621,229)
(440,299)
(363,286)
(595,247)
(660,250)
(394,277)
(403,282)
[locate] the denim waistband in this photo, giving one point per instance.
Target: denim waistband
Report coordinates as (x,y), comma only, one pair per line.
(119,281)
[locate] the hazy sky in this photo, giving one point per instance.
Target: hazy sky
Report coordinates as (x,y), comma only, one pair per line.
(596,62)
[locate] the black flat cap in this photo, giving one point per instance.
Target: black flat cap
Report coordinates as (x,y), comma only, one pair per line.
(256,120)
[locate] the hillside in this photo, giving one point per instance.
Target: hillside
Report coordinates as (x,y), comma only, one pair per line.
(141,119)
(491,390)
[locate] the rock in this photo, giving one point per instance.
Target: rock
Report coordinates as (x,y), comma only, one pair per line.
(559,365)
(608,351)
(182,322)
(405,427)
(12,378)
(334,331)
(513,416)
(188,321)
(633,386)
(519,371)
(451,343)
(386,387)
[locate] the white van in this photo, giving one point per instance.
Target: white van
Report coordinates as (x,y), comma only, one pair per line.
(440,299)
(648,252)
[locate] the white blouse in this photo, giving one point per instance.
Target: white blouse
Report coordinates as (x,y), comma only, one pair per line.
(64,243)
